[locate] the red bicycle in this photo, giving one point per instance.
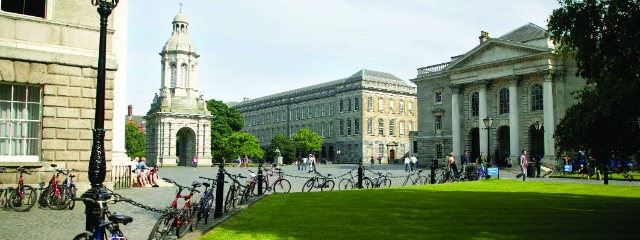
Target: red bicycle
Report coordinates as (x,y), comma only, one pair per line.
(280,185)
(180,219)
(24,196)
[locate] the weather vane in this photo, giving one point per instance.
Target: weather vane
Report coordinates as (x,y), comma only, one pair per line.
(180,6)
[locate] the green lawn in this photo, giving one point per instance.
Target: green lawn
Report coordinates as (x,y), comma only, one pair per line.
(492,209)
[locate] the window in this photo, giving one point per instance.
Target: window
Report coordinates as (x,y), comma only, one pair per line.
(381,127)
(381,149)
(401,128)
(330,129)
(330,109)
(349,126)
(356,104)
(261,123)
(341,106)
(303,113)
(381,105)
(183,76)
(36,8)
(411,107)
(341,128)
(392,127)
(324,109)
(20,124)
(348,104)
(370,126)
(323,127)
(290,131)
(356,126)
(415,146)
(272,132)
(438,151)
(254,120)
(370,104)
(504,101)
(317,128)
(475,102)
(174,73)
(310,112)
(290,115)
(536,97)
(273,120)
(283,117)
(297,113)
(410,125)
(401,106)
(317,109)
(438,97)
(391,105)
(438,122)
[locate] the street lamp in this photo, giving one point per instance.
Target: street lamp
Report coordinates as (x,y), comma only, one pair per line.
(97,169)
(487,122)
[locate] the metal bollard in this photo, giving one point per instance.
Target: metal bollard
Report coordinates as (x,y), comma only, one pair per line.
(433,171)
(219,192)
(260,179)
(360,173)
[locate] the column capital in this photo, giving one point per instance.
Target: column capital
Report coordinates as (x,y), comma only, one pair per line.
(483,83)
(513,80)
(558,75)
(546,75)
(455,88)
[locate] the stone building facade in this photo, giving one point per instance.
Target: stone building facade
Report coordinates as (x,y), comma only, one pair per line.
(178,124)
(368,114)
(515,79)
(48,70)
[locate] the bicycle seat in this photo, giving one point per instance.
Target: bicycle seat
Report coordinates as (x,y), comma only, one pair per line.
(54,165)
(206,184)
(120,219)
(72,176)
(196,184)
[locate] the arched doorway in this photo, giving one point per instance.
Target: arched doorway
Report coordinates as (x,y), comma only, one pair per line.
(392,154)
(536,142)
(475,145)
(504,141)
(185,145)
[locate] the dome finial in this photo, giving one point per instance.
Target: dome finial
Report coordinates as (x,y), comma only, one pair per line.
(180,5)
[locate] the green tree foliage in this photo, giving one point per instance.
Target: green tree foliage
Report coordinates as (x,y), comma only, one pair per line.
(602,37)
(227,121)
(240,144)
(287,149)
(135,141)
(307,141)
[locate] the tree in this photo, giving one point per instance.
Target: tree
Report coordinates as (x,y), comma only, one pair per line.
(287,149)
(240,144)
(307,141)
(227,121)
(602,37)
(135,141)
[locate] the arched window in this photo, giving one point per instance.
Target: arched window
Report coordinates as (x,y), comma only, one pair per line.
(183,75)
(173,74)
(536,97)
(504,101)
(475,103)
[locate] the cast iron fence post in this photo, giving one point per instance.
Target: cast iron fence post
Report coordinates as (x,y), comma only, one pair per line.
(219,192)
(260,179)
(360,173)
(433,171)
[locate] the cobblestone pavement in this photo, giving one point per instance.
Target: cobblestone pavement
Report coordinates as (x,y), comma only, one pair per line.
(43,223)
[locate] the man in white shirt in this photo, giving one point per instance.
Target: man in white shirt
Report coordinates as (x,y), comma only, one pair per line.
(407,161)
(304,164)
(413,163)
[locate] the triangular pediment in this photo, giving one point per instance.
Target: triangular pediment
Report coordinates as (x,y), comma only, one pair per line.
(495,50)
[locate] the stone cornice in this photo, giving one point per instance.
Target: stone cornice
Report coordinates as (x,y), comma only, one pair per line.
(509,61)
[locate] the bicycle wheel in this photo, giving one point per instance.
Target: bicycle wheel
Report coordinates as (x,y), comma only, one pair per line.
(386,183)
(367,183)
(195,220)
(82,236)
(265,187)
(406,181)
(308,185)
(162,227)
(228,202)
(24,202)
(328,185)
(209,207)
(282,186)
(345,184)
(72,194)
(184,222)
(3,198)
(57,201)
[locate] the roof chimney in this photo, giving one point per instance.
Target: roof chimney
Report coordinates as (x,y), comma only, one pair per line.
(245,99)
(484,36)
(130,110)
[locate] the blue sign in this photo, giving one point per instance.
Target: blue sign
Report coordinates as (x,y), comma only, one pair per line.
(567,168)
(493,171)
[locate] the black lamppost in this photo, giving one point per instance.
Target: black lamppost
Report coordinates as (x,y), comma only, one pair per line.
(487,123)
(538,126)
(97,164)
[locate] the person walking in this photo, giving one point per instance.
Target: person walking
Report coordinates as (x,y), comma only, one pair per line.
(298,163)
(380,160)
(452,164)
(194,161)
(417,160)
(464,160)
(304,164)
(406,163)
(246,161)
(413,162)
(523,164)
(371,162)
(482,160)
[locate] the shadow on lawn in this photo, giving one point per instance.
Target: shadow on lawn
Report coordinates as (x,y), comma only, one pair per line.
(410,213)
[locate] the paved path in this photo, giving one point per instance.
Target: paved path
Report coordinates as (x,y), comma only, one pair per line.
(43,223)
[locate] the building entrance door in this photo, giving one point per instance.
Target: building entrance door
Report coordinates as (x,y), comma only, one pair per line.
(392,154)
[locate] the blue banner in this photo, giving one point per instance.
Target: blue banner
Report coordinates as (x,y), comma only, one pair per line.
(493,171)
(567,168)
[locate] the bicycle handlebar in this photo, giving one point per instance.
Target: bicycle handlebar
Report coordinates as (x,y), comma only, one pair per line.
(180,186)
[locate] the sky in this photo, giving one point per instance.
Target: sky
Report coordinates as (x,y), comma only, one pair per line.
(255,48)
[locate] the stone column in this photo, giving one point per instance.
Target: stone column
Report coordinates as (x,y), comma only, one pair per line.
(455,120)
(119,48)
(483,113)
(546,76)
(514,119)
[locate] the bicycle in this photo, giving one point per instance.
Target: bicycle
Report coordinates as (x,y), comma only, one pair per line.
(233,193)
(23,197)
(113,226)
(58,195)
(381,180)
(206,203)
(247,191)
(417,180)
(318,181)
(280,185)
(180,219)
